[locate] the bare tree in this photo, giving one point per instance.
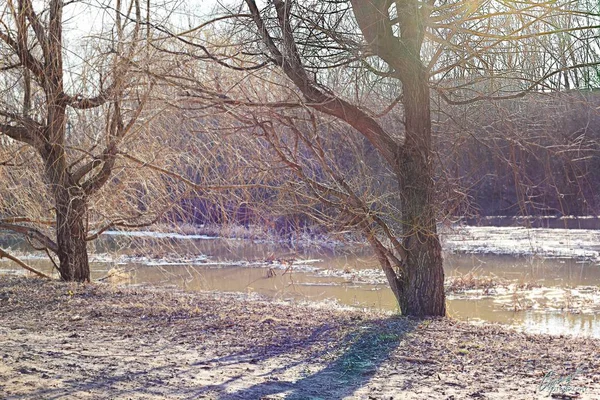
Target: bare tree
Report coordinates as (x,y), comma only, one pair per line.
(47,96)
(398,50)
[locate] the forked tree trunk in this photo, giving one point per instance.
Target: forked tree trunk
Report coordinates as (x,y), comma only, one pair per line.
(422,290)
(71,234)
(71,210)
(420,287)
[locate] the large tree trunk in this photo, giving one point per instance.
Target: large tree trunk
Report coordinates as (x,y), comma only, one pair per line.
(70,203)
(416,275)
(423,284)
(71,211)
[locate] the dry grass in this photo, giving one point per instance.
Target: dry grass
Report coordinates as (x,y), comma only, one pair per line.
(471,281)
(67,341)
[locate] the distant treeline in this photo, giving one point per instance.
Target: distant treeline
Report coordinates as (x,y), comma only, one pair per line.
(534,156)
(538,155)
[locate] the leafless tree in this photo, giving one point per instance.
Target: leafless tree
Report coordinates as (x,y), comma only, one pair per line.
(64,118)
(390,54)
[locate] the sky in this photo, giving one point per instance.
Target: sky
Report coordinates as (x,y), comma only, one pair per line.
(89,16)
(86,19)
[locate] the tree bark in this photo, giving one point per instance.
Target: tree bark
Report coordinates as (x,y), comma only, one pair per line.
(71,234)
(69,200)
(423,284)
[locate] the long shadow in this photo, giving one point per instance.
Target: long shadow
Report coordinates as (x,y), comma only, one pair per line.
(362,353)
(284,345)
(254,355)
(357,357)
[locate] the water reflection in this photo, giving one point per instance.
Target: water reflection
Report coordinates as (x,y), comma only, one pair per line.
(223,272)
(546,272)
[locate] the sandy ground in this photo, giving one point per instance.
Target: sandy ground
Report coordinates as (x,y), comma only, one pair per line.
(66,341)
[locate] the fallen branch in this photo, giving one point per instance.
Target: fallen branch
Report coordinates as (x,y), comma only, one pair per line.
(4,254)
(417,360)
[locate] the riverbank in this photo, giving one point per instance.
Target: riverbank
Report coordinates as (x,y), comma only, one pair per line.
(65,341)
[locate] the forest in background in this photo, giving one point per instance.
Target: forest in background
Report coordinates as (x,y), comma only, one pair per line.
(536,156)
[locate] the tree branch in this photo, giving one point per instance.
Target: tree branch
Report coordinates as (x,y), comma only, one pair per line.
(529,89)
(21,134)
(123,224)
(4,254)
(84,103)
(33,234)
(85,169)
(325,102)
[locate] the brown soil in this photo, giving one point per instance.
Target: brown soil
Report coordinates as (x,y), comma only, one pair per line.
(66,341)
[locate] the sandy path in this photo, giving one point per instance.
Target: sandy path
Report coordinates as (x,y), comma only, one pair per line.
(60,341)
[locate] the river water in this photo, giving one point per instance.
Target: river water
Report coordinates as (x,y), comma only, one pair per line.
(498,274)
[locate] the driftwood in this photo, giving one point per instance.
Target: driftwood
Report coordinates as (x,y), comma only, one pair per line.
(417,360)
(4,254)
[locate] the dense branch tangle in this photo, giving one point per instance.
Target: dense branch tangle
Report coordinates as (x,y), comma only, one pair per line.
(77,158)
(280,65)
(349,59)
(410,254)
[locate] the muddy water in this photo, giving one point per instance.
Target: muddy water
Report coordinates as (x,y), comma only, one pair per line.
(558,296)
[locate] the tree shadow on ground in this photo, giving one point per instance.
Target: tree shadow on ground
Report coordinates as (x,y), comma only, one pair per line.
(357,359)
(274,349)
(342,367)
(152,381)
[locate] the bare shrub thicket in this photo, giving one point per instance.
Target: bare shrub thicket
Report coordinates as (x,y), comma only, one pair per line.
(533,156)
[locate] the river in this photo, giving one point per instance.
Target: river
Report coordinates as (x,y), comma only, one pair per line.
(537,280)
